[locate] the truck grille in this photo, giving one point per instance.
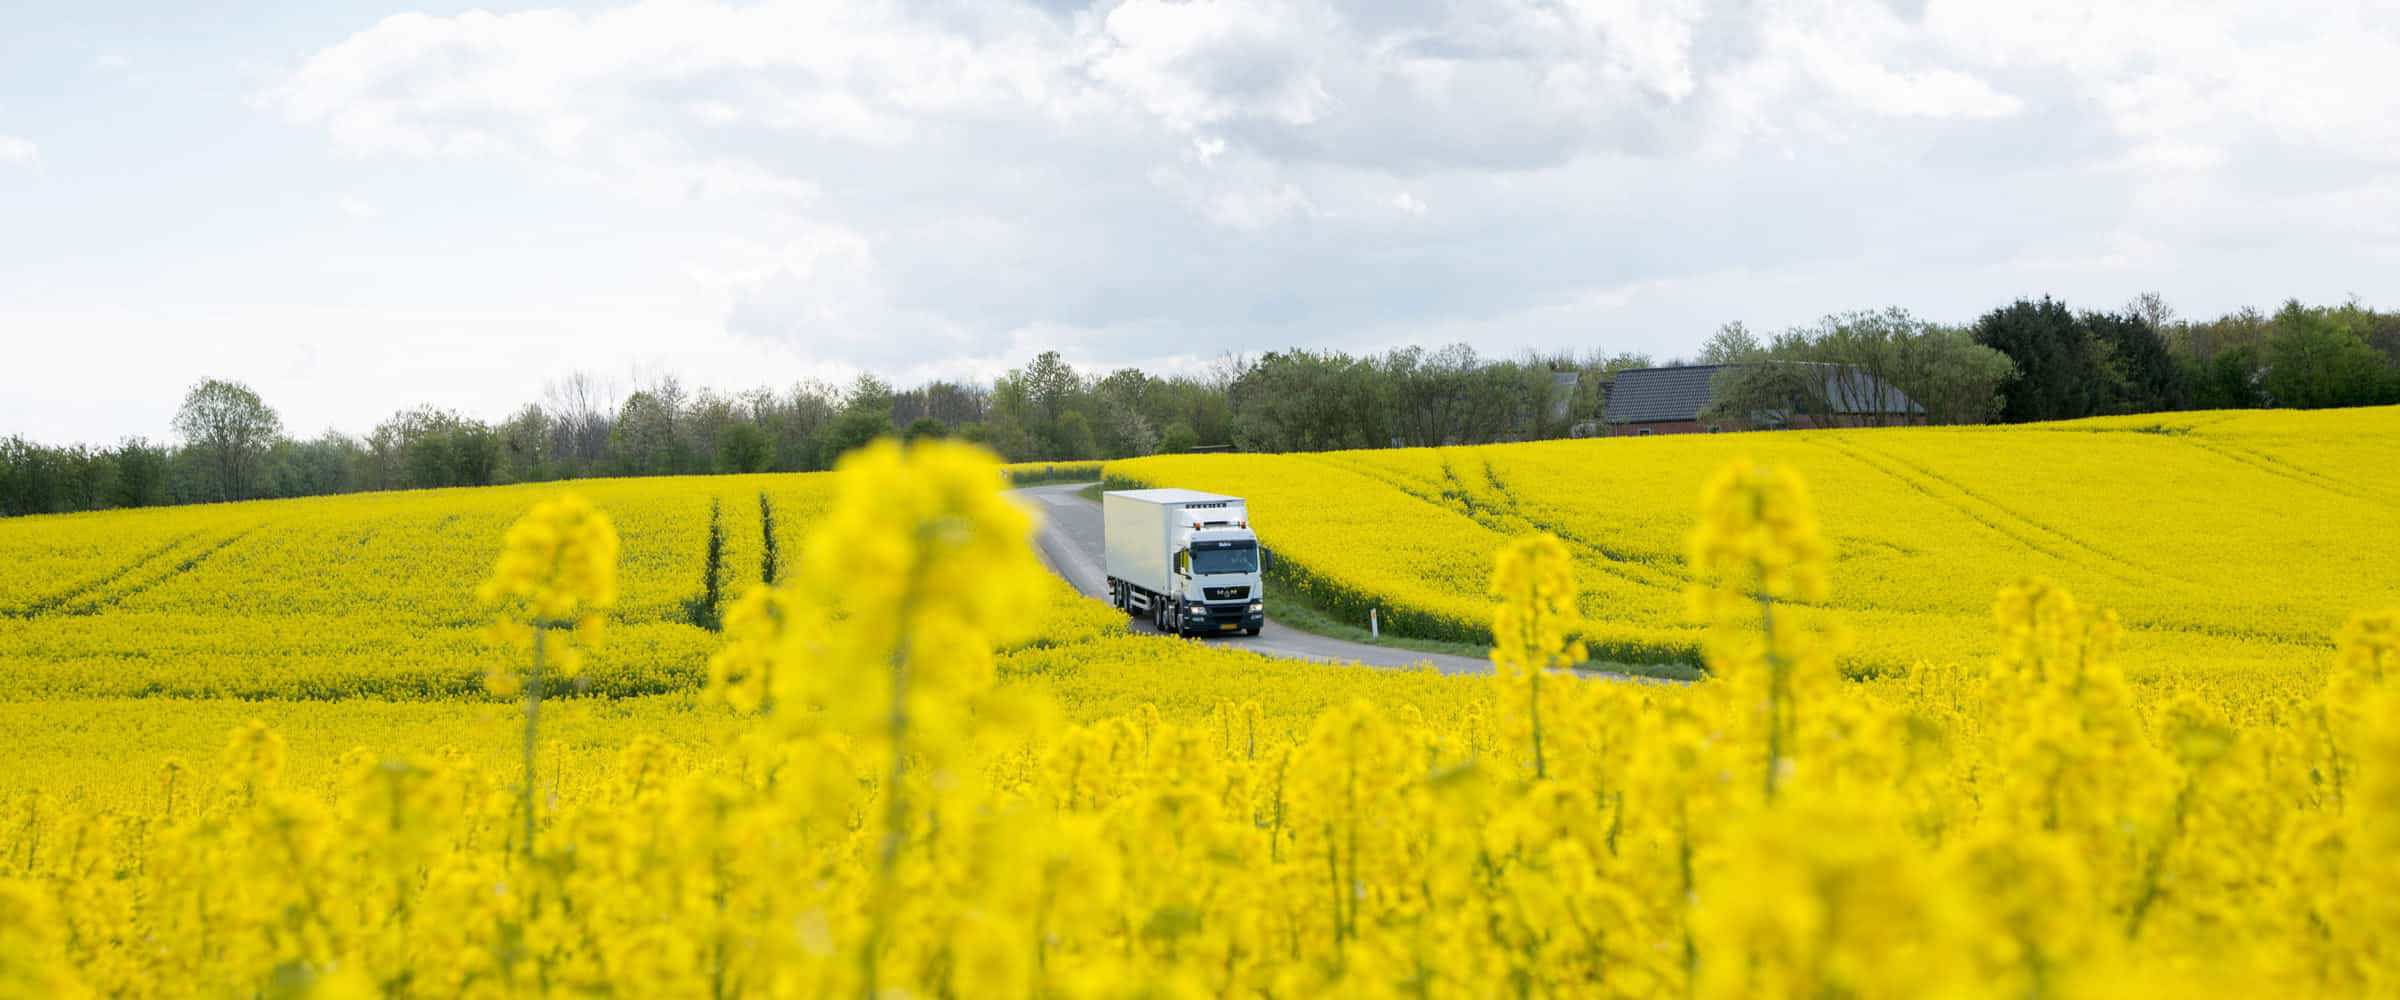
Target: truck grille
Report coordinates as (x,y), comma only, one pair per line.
(1226,593)
(1222,615)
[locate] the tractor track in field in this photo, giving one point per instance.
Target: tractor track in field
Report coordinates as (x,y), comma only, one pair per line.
(1509,520)
(2286,471)
(104,600)
(2029,521)
(2005,522)
(1616,562)
(52,602)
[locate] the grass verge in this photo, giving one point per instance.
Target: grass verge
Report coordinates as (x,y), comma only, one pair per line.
(1290,610)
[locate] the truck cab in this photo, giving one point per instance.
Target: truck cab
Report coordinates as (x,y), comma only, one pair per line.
(1222,591)
(1188,560)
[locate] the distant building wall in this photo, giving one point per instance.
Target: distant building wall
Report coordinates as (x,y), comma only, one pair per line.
(1657,427)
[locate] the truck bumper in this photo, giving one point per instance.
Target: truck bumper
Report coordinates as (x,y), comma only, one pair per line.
(1222,618)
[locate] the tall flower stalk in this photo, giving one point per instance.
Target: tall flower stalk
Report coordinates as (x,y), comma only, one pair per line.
(555,579)
(1534,580)
(884,634)
(1756,549)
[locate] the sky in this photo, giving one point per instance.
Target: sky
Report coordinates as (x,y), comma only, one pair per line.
(357,208)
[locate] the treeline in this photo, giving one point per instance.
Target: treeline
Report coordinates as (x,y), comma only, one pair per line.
(1303,400)
(232,446)
(2029,360)
(1842,366)
(2040,360)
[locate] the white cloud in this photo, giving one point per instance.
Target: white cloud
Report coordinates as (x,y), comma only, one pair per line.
(16,150)
(1145,178)
(358,208)
(2123,251)
(1197,64)
(2312,74)
(459,85)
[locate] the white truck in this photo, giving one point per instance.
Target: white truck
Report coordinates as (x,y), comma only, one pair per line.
(1185,558)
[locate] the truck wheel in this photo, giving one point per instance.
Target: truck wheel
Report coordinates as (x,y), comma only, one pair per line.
(1158,615)
(1252,630)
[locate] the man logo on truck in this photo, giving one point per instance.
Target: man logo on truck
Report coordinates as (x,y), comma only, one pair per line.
(1186,559)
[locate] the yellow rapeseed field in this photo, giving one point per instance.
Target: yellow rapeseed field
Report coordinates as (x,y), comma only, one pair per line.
(2228,543)
(360,596)
(914,769)
(129,639)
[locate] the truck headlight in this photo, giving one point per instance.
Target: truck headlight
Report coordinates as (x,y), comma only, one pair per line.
(1198,608)
(1256,607)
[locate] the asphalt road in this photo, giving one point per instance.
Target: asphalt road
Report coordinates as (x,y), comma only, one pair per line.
(1071,543)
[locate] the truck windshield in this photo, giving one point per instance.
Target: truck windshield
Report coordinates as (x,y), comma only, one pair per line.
(1214,558)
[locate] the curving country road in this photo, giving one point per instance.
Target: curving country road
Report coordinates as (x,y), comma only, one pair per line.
(1071,543)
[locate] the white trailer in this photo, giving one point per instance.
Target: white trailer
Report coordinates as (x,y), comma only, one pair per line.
(1186,559)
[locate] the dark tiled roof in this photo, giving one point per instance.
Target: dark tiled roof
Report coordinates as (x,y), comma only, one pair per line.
(1851,390)
(1647,395)
(1643,395)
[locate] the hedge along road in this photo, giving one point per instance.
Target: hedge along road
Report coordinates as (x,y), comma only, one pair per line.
(1072,543)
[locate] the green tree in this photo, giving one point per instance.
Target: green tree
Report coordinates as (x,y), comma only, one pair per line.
(2314,360)
(797,422)
(744,447)
(1771,393)
(1177,438)
(1731,344)
(866,415)
(1448,396)
(2227,381)
(645,439)
(2143,375)
(232,427)
(474,453)
(853,430)
(1005,435)
(1847,364)
(1954,378)
(1050,386)
(141,474)
(525,445)
(311,468)
(1303,400)
(87,477)
(1074,439)
(430,447)
(1122,406)
(2060,370)
(30,478)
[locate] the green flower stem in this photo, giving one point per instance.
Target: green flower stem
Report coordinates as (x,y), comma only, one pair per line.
(533,723)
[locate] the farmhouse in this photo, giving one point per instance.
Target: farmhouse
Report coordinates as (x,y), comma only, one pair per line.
(1682,399)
